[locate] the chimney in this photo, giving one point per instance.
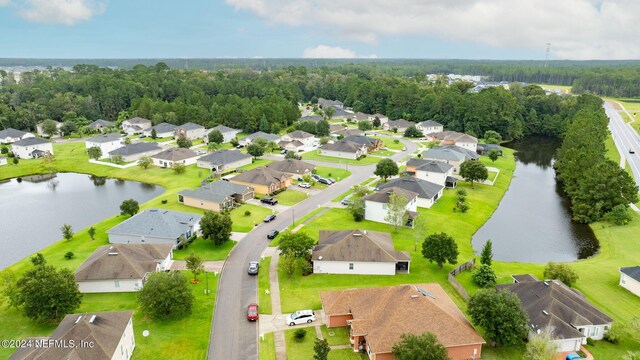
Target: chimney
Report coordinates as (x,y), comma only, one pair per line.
(93,318)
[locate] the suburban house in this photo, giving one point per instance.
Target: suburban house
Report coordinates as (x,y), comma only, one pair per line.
(295,146)
(3,160)
(110,334)
(345,132)
(292,166)
(325,103)
(343,149)
(484,149)
(451,156)
(383,119)
(630,279)
(263,180)
(376,205)
(228,133)
(122,267)
(8,136)
(174,155)
(339,113)
(133,152)
(101,125)
(377,317)
(372,144)
(40,132)
(360,116)
(336,127)
(455,138)
(162,130)
(32,148)
(260,134)
(190,131)
(155,226)
(224,160)
(314,118)
(106,142)
(216,196)
(135,125)
(437,172)
(429,127)
(400,124)
(304,140)
(552,304)
(428,192)
(359,252)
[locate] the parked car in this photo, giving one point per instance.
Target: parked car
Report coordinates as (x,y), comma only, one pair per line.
(304,185)
(574,356)
(269,217)
(325,181)
(346,202)
(404,148)
(252,312)
(272,234)
(254,266)
(301,317)
(239,146)
(200,152)
(142,136)
(283,151)
(316,177)
(332,180)
(631,151)
(268,200)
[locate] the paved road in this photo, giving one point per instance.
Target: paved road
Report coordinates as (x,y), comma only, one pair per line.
(625,138)
(232,336)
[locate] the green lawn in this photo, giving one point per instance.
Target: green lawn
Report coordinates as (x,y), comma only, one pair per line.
(291,197)
(340,335)
(389,143)
(206,250)
(492,175)
(313,155)
(346,354)
(334,173)
(300,350)
(383,153)
(242,223)
(267,347)
(150,139)
(256,163)
(264,299)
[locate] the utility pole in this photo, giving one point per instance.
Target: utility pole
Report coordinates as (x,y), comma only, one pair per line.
(546,60)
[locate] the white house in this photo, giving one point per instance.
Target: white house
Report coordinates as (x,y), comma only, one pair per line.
(224,160)
(383,119)
(135,125)
(428,192)
(110,335)
(260,134)
(40,132)
(122,267)
(308,140)
(190,131)
(155,226)
(162,130)
(429,127)
(465,141)
(359,252)
(3,160)
(228,133)
(437,172)
(343,149)
(174,155)
(31,148)
(8,136)
(630,279)
(106,142)
(376,205)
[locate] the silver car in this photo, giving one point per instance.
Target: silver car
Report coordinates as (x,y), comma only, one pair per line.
(253,268)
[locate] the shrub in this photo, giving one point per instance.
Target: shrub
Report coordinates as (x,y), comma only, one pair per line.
(164,201)
(247,213)
(484,276)
(396,141)
(300,334)
(68,255)
(562,272)
(306,267)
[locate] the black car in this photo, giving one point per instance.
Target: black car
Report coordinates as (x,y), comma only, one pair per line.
(324,181)
(269,217)
(631,151)
(270,201)
(272,234)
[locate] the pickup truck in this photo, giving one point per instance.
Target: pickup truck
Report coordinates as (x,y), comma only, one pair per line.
(268,200)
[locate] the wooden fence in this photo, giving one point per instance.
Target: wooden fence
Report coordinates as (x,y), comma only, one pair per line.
(457,270)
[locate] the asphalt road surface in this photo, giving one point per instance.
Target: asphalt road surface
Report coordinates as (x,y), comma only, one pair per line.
(232,336)
(626,139)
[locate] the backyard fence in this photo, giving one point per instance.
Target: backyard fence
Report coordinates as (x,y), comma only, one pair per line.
(457,270)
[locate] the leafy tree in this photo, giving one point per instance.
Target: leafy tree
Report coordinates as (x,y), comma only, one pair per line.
(440,248)
(394,130)
(195,264)
(288,264)
(127,141)
(4,150)
(264,124)
(212,146)
(262,142)
(183,142)
(386,168)
(154,134)
(178,168)
(356,208)
(413,132)
(376,122)
(484,276)
(297,245)
(322,128)
(234,142)
(419,347)
(324,140)
(500,314)
(49,127)
(95,152)
(38,259)
(486,256)
(255,150)
(145,162)
(215,136)
(541,346)
(129,207)
(396,211)
(290,155)
(45,294)
(67,231)
(216,227)
(15,161)
(68,255)
(92,233)
(365,125)
(300,334)
(562,272)
(619,215)
(329,112)
(472,170)
(118,159)
(271,146)
(493,155)
(166,295)
(68,127)
(492,137)
(321,349)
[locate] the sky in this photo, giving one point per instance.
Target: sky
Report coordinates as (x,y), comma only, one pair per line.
(432,29)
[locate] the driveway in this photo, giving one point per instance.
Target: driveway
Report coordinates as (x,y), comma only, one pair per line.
(277,322)
(277,208)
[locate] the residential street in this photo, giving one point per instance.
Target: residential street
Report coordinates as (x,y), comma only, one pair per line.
(625,138)
(232,336)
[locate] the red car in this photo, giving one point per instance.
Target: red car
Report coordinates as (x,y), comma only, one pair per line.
(252,312)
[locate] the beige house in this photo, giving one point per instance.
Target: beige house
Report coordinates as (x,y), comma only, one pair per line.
(224,161)
(172,156)
(343,149)
(630,279)
(263,180)
(401,125)
(216,196)
(190,131)
(292,166)
(429,127)
(455,138)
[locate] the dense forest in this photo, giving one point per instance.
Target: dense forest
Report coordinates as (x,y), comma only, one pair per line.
(243,98)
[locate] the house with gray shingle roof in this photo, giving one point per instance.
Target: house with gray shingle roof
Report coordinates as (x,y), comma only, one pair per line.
(372,144)
(376,205)
(400,124)
(434,171)
(106,143)
(10,135)
(343,149)
(260,134)
(174,155)
(383,119)
(228,133)
(32,148)
(314,118)
(345,132)
(292,166)
(122,267)
(155,226)
(325,103)
(216,196)
(429,127)
(453,157)
(162,130)
(101,124)
(135,125)
(190,131)
(224,160)
(428,192)
(630,279)
(263,180)
(135,151)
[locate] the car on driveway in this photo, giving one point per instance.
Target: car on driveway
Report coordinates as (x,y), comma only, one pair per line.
(282,152)
(272,234)
(316,177)
(304,185)
(332,180)
(301,317)
(269,218)
(252,312)
(254,266)
(268,200)
(346,202)
(325,181)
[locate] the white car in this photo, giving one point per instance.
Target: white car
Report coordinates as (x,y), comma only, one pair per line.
(301,317)
(304,185)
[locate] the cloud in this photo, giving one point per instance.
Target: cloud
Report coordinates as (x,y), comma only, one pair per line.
(331,52)
(5,3)
(576,29)
(66,12)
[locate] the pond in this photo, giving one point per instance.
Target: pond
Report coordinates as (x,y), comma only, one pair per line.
(33,208)
(533,221)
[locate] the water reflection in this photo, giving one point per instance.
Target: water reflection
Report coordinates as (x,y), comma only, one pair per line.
(98,180)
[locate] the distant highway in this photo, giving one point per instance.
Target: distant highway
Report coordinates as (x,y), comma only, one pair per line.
(626,139)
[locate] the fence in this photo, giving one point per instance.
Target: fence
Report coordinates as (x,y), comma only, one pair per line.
(457,270)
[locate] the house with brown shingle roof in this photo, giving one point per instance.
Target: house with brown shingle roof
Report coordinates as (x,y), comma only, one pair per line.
(95,336)
(292,166)
(122,267)
(376,205)
(400,124)
(263,180)
(343,149)
(360,252)
(377,317)
(175,155)
(455,138)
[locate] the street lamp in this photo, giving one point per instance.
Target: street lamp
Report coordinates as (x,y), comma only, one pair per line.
(206,275)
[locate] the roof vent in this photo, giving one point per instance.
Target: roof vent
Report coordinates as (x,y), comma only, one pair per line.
(546,283)
(545,312)
(78,319)
(425,292)
(93,318)
(320,257)
(357,234)
(365,232)
(415,296)
(113,253)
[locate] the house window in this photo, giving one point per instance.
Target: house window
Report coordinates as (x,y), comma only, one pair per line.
(350,266)
(117,283)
